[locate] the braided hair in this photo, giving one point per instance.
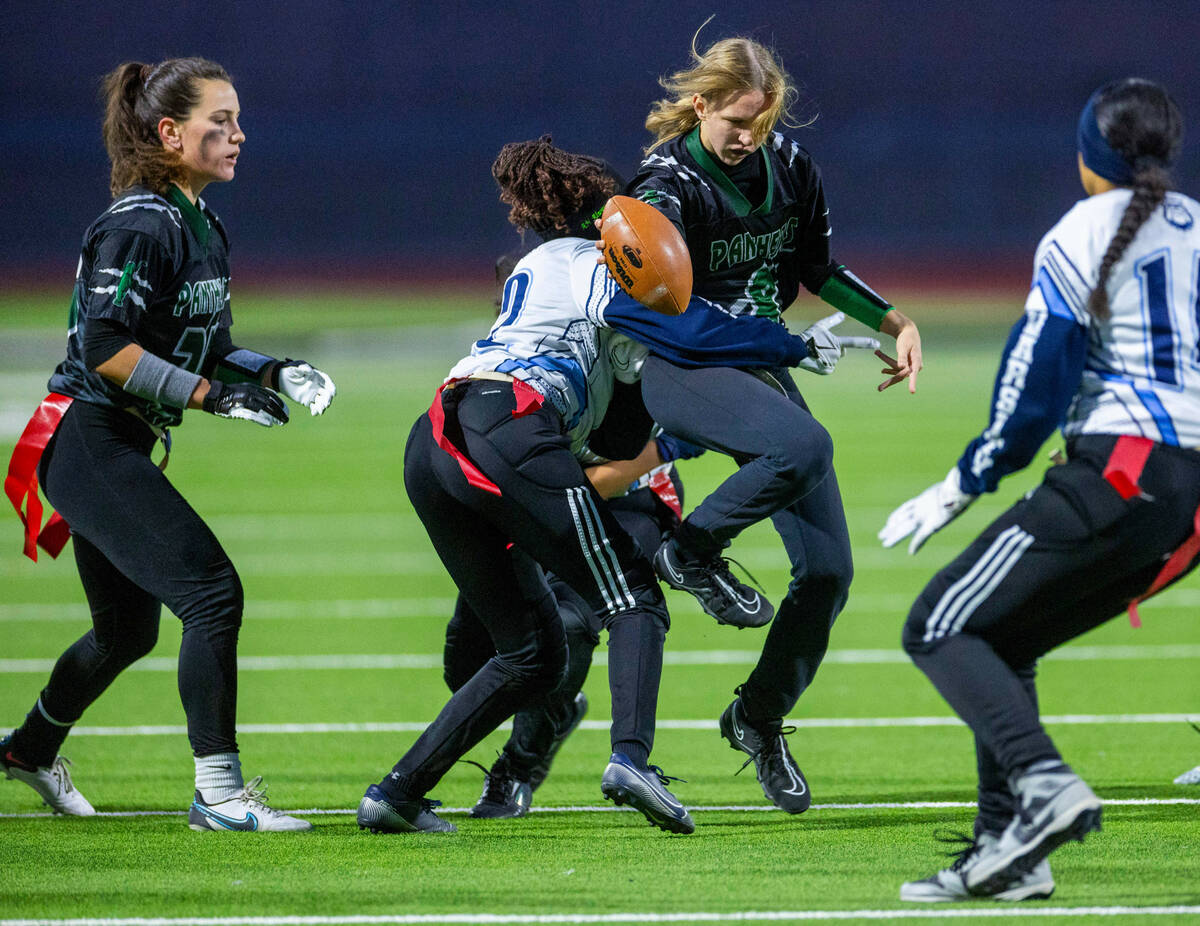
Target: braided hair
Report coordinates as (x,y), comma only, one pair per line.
(551,191)
(1141,123)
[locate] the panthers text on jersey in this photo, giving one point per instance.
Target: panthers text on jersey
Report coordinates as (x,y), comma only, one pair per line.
(1136,373)
(159,266)
(750,260)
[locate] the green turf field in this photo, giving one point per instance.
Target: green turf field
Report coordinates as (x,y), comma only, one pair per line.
(340,669)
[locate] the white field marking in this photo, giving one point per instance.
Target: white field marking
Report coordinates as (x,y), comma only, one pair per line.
(776,916)
(337,609)
(443,607)
(609,808)
(670,657)
(417,726)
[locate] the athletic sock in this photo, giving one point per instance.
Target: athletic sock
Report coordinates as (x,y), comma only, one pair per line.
(634,752)
(695,544)
(218,776)
(36,741)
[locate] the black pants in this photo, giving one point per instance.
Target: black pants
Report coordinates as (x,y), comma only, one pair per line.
(785,472)
(138,545)
(1058,563)
(546,514)
(469,646)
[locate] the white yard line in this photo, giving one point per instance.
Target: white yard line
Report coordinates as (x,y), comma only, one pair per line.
(609,808)
(777,916)
(343,661)
(416,726)
(443,607)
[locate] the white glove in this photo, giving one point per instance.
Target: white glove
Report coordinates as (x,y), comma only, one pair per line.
(930,511)
(305,385)
(627,357)
(825,348)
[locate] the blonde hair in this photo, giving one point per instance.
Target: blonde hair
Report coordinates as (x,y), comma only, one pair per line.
(728,66)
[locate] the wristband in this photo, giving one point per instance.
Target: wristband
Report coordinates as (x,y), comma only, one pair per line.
(243,366)
(156,380)
(847,293)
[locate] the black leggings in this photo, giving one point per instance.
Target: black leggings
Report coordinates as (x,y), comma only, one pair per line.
(1060,562)
(139,545)
(543,513)
(785,473)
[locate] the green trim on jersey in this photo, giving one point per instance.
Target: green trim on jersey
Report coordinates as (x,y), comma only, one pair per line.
(741,205)
(846,293)
(191,214)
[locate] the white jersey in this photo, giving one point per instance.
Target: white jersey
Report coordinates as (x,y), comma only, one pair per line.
(1142,370)
(551,333)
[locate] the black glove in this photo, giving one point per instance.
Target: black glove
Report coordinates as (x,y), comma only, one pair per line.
(245,400)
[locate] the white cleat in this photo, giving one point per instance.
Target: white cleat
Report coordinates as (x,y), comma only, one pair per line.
(246,811)
(1189,778)
(949,884)
(52,783)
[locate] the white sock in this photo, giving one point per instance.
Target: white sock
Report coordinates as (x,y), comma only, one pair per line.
(218,776)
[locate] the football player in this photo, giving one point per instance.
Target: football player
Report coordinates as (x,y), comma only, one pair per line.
(149,337)
(751,206)
(493,473)
(1106,349)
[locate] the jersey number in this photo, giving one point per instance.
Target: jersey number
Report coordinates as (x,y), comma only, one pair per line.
(192,347)
(516,290)
(1154,278)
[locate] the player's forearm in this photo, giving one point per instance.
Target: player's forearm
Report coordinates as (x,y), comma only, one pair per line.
(613,478)
(847,293)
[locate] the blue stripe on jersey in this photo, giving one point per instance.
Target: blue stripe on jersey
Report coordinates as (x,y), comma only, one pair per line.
(1166,427)
(1053,295)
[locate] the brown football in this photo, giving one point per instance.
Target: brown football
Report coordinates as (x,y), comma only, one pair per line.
(646,255)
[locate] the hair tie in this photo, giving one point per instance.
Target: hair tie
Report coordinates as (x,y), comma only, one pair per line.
(1098,155)
(144,73)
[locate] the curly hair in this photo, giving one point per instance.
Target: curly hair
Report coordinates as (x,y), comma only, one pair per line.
(1141,122)
(545,185)
(136,97)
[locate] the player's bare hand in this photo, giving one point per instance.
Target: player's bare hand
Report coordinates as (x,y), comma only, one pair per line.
(892,369)
(600,245)
(908,361)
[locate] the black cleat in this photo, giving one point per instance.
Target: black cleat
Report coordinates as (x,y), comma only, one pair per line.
(380,814)
(504,795)
(714,586)
(539,772)
(781,779)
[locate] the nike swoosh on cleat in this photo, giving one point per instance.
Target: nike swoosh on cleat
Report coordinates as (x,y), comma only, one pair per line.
(744,603)
(248,824)
(797,782)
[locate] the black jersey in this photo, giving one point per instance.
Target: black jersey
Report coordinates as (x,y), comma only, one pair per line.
(158,265)
(749,258)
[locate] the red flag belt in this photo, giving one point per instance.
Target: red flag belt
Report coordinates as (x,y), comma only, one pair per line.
(528,400)
(1123,470)
(21,483)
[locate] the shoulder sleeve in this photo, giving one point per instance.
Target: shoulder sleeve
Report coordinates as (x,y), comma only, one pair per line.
(1063,269)
(659,183)
(1039,375)
(592,286)
(129,270)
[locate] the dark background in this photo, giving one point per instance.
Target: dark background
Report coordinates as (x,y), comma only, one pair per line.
(945,129)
